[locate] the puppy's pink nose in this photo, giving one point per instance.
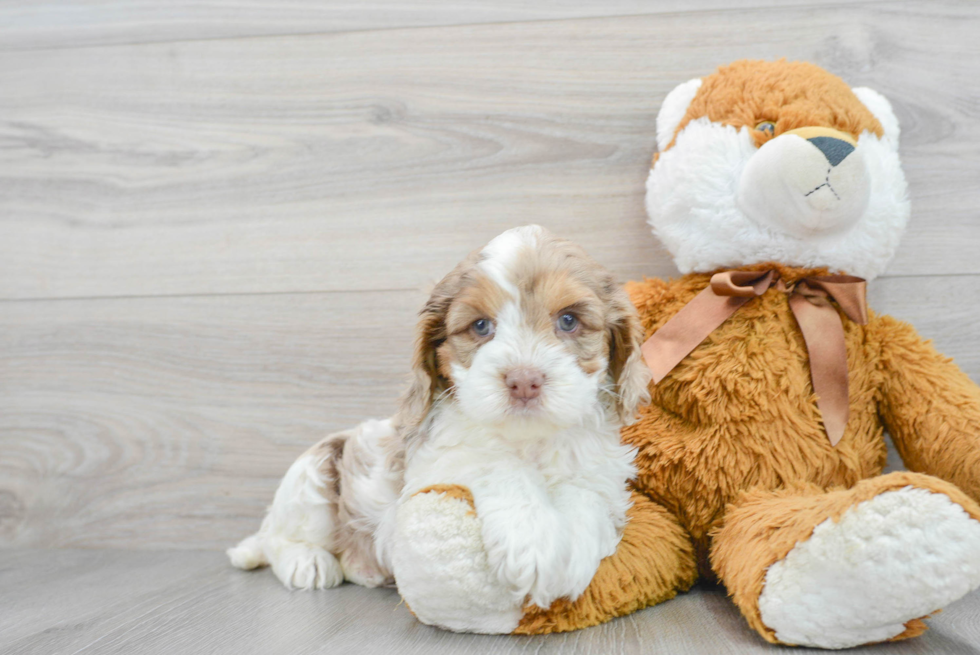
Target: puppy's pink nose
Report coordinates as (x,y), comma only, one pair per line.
(524,383)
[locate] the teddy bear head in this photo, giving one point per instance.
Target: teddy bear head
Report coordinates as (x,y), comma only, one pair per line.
(777,162)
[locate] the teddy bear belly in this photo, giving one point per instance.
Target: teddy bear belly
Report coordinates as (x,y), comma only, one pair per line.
(739,413)
(695,472)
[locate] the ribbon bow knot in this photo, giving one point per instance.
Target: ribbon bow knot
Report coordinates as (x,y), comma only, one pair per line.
(809,300)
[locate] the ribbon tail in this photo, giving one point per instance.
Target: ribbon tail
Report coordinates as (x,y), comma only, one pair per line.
(848,291)
(823,333)
(686,329)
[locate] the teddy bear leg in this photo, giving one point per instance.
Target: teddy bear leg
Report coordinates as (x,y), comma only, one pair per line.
(654,560)
(841,568)
(441,568)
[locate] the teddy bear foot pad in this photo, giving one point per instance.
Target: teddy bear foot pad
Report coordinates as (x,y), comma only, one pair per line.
(890,560)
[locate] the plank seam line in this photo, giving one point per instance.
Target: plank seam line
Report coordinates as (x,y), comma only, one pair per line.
(822,7)
(230,294)
(324,292)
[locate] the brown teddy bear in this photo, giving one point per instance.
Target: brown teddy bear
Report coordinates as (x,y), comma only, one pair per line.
(760,455)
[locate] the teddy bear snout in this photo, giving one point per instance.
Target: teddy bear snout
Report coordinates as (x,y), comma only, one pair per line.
(806,181)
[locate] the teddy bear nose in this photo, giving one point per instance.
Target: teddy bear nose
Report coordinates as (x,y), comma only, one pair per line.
(524,383)
(835,150)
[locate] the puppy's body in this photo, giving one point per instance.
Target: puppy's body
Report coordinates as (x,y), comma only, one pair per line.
(552,504)
(320,529)
(527,364)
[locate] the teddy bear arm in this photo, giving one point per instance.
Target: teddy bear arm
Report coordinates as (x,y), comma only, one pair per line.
(930,407)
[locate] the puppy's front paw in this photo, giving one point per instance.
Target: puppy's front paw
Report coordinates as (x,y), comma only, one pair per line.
(529,554)
(304,566)
(582,566)
(361,569)
(589,544)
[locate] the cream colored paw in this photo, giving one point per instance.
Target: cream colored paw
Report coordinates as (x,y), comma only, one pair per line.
(362,570)
(304,566)
(442,571)
(897,557)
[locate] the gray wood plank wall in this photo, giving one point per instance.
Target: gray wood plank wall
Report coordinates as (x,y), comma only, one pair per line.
(216,224)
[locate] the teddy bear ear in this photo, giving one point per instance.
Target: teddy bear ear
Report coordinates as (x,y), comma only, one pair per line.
(673,109)
(882,109)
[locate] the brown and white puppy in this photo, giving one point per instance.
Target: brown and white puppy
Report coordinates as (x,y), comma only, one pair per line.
(527,364)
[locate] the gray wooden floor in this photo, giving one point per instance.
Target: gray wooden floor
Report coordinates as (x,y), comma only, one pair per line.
(126,602)
(217,221)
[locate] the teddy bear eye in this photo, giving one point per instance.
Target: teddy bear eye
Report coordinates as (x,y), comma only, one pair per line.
(766,126)
(483,327)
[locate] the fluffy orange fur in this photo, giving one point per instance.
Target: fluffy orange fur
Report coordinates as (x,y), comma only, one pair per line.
(696,454)
(791,94)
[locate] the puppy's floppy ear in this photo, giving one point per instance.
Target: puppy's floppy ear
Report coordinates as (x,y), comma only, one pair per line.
(426,382)
(628,370)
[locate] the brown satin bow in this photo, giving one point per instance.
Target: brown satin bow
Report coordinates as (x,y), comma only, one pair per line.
(809,300)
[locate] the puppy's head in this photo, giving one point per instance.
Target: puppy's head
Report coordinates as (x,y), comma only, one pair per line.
(528,332)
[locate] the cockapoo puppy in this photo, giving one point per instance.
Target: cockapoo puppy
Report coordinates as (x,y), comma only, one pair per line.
(527,363)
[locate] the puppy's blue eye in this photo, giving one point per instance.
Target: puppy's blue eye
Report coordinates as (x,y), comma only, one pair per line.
(766,126)
(567,322)
(483,326)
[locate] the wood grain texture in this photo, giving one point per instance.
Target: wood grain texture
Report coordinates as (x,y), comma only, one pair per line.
(73,23)
(212,245)
(108,602)
(372,160)
(168,422)
(161,423)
